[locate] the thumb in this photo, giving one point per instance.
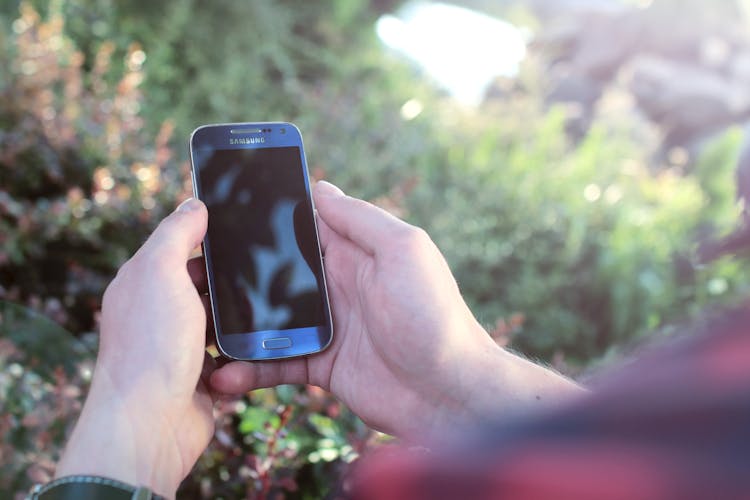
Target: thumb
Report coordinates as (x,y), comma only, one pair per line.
(356,220)
(179,233)
(238,377)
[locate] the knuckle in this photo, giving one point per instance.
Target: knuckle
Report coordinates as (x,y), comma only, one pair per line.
(120,279)
(413,239)
(358,204)
(110,293)
(148,262)
(167,223)
(155,263)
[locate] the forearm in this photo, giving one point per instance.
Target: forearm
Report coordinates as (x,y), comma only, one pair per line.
(492,383)
(109,441)
(522,385)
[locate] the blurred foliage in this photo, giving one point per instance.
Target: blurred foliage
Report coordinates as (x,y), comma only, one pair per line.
(566,249)
(82,184)
(44,375)
(286,442)
(593,247)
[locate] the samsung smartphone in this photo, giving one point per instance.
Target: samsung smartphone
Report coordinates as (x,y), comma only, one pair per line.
(263,259)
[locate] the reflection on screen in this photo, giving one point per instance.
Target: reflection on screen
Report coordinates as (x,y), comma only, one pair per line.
(261,240)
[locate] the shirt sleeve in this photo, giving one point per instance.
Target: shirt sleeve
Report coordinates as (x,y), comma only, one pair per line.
(673,424)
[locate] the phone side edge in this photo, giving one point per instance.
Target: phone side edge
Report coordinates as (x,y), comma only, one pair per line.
(206,263)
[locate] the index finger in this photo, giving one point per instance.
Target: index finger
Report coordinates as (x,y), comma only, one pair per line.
(197,270)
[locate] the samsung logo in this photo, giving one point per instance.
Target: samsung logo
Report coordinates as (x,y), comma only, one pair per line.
(247,140)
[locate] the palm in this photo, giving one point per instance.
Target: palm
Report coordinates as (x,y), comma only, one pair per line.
(172,303)
(387,340)
(358,366)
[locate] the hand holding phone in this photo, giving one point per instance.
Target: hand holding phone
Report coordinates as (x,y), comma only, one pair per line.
(144,411)
(408,356)
(263,260)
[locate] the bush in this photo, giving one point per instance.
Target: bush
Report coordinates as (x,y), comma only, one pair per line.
(590,243)
(83,185)
(81,188)
(44,376)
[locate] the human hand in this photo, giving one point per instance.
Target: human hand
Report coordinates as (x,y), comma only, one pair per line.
(148,416)
(407,354)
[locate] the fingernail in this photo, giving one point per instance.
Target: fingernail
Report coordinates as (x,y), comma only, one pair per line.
(327,189)
(189,205)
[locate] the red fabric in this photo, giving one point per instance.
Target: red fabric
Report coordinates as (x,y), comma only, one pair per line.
(675,424)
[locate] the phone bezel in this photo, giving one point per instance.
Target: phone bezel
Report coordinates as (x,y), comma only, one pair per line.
(249,346)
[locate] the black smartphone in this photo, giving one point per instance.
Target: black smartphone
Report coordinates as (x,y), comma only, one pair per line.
(263,259)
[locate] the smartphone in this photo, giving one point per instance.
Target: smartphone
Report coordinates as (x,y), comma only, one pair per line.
(263,259)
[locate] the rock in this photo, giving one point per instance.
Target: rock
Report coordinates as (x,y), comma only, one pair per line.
(547,10)
(687,67)
(684,99)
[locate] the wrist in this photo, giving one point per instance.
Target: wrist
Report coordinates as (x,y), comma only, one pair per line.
(490,383)
(514,385)
(119,439)
(460,394)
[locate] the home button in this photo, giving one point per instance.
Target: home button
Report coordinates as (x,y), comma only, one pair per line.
(277,343)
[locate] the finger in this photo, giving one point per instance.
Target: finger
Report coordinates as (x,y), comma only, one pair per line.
(328,237)
(178,234)
(355,219)
(209,366)
(242,376)
(197,270)
(206,300)
(210,328)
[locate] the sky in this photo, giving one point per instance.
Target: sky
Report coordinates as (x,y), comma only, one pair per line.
(461,50)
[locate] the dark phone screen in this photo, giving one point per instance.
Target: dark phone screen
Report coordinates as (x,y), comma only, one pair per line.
(261,240)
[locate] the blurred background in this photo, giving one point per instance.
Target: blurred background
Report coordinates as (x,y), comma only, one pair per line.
(583,165)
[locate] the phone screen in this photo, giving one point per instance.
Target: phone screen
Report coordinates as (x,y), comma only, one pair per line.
(261,240)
